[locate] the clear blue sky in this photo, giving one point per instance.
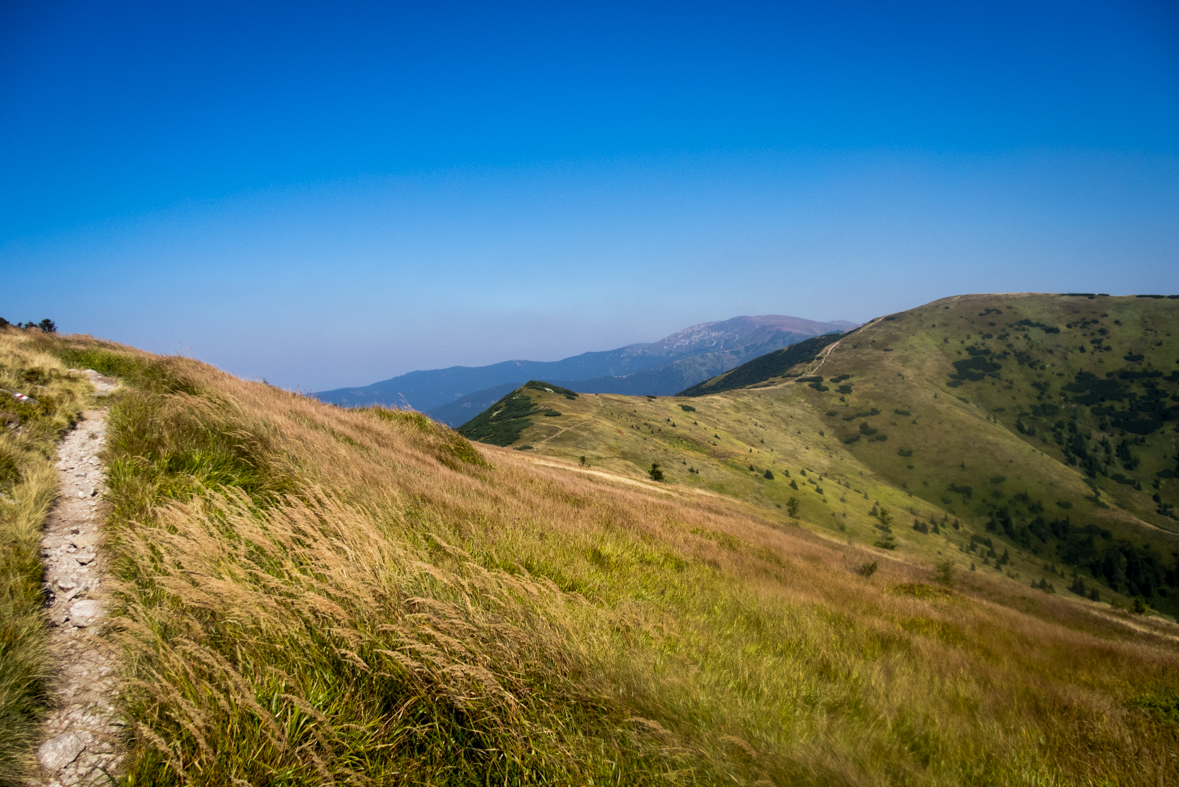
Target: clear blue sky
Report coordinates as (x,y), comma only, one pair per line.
(331,194)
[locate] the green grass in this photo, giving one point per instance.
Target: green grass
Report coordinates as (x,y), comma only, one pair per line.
(28,485)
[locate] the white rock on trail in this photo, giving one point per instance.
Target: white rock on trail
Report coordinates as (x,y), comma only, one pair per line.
(85,613)
(59,752)
(83,541)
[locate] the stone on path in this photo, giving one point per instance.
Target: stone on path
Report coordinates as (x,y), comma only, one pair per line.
(85,613)
(81,541)
(57,753)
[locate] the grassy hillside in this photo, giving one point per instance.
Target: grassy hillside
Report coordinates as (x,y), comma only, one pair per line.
(1044,425)
(315,595)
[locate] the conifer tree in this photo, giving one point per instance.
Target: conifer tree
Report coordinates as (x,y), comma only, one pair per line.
(884,525)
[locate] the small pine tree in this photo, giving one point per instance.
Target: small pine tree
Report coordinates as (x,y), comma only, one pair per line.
(47,325)
(655,472)
(583,462)
(792,506)
(884,525)
(769,475)
(945,573)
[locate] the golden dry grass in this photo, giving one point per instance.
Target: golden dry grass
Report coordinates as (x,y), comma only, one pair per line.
(312,595)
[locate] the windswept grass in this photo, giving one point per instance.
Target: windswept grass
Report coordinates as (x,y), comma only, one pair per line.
(28,485)
(311,595)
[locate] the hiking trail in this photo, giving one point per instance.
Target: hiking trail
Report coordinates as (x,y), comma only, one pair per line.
(82,728)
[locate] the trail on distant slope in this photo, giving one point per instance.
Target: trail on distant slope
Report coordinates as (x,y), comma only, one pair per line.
(831,347)
(562,431)
(651,486)
(82,729)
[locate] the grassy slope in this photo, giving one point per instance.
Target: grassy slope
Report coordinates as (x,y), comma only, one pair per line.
(915,376)
(960,434)
(315,595)
(28,485)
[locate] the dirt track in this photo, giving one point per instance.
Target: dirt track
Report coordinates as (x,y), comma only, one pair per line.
(82,728)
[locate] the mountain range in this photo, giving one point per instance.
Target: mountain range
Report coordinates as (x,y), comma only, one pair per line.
(456,394)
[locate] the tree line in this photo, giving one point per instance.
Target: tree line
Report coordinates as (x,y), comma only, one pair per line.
(46,325)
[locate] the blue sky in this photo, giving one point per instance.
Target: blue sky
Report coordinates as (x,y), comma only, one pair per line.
(332,194)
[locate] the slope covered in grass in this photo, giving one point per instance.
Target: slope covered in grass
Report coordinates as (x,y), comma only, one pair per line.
(1041,429)
(503,422)
(313,595)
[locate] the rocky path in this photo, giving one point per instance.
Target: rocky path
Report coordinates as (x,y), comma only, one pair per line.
(82,730)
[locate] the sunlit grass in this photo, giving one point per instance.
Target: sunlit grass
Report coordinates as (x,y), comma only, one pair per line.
(312,595)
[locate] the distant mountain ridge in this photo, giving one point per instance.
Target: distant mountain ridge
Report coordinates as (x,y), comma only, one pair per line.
(662,367)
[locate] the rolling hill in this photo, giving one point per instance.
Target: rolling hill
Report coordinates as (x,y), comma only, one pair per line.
(661,367)
(1028,435)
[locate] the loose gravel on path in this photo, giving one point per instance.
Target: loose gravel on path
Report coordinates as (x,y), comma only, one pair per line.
(82,729)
